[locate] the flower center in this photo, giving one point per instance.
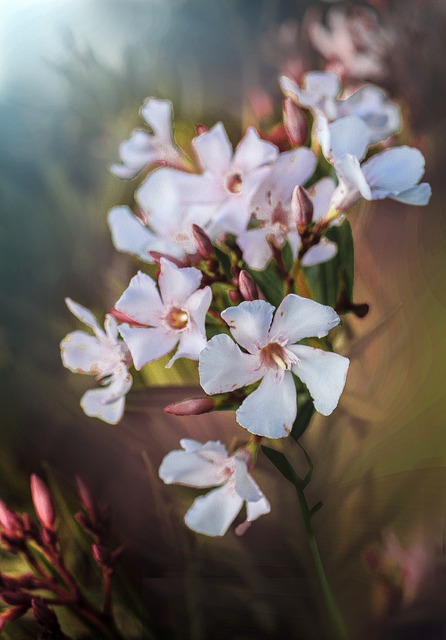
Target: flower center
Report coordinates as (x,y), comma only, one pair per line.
(277,357)
(234,183)
(177,318)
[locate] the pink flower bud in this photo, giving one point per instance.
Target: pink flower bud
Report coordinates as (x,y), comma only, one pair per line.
(102,555)
(191,407)
(247,286)
(85,496)
(156,255)
(295,122)
(202,241)
(201,128)
(234,296)
(9,520)
(302,208)
(43,502)
(123,317)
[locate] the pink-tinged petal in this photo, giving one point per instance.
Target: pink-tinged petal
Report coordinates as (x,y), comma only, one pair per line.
(270,410)
(232,216)
(190,346)
(297,318)
(256,509)
(190,469)
(141,300)
(83,353)
(147,345)
(177,284)
(244,483)
(419,195)
(321,194)
(129,235)
(197,305)
(349,135)
(84,315)
(249,323)
(352,179)
(322,252)
(159,116)
(324,373)
(253,152)
(394,170)
(213,513)
(223,367)
(214,150)
(256,249)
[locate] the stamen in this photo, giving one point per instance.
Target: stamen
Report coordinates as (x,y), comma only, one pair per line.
(177,318)
(234,183)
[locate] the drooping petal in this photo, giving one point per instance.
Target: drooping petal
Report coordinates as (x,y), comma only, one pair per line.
(95,405)
(214,150)
(159,116)
(244,483)
(394,170)
(190,469)
(177,284)
(83,353)
(297,318)
(256,249)
(141,300)
(147,345)
(213,513)
(322,252)
(249,323)
(137,152)
(256,509)
(84,315)
(253,152)
(418,195)
(270,410)
(324,373)
(129,234)
(350,173)
(223,367)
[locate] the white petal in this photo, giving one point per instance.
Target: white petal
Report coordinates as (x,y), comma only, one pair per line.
(191,344)
(324,373)
(213,450)
(214,150)
(177,284)
(223,367)
(84,315)
(141,301)
(129,234)
(249,323)
(147,345)
(232,216)
(372,106)
(394,170)
(83,353)
(213,513)
(123,172)
(256,249)
(297,318)
(159,115)
(350,172)
(418,195)
(244,483)
(189,469)
(349,135)
(108,402)
(322,252)
(139,150)
(256,509)
(321,193)
(270,410)
(253,152)
(111,328)
(197,305)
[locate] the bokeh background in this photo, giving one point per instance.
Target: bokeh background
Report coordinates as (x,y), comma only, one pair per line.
(72,77)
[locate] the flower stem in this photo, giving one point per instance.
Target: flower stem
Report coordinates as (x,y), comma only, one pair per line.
(336,617)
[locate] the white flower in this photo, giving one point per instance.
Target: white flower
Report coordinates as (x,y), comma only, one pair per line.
(272,207)
(272,356)
(176,317)
(394,173)
(143,149)
(102,355)
(208,465)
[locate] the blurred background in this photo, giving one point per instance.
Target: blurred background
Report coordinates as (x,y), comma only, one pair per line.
(72,77)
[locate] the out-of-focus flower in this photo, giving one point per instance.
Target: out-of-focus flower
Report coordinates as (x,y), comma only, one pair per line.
(273,356)
(208,465)
(173,316)
(144,149)
(103,355)
(394,173)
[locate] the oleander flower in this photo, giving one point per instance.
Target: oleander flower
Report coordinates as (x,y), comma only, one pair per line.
(208,465)
(103,355)
(174,315)
(272,356)
(143,149)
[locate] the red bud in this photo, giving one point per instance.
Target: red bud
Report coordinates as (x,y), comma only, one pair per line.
(202,241)
(201,128)
(156,255)
(9,520)
(302,208)
(191,407)
(85,496)
(295,122)
(234,296)
(247,286)
(43,502)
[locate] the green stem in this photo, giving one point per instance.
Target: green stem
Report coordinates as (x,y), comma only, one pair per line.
(335,614)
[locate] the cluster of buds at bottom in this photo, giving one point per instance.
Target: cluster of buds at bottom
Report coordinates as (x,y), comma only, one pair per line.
(45,568)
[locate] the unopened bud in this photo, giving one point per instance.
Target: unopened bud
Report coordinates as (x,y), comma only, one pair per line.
(102,555)
(234,296)
(295,122)
(201,128)
(247,286)
(85,496)
(302,208)
(49,537)
(9,520)
(43,502)
(157,255)
(202,241)
(191,407)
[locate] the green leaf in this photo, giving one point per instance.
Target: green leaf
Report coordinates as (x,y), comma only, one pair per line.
(287,256)
(281,463)
(304,414)
(225,262)
(270,282)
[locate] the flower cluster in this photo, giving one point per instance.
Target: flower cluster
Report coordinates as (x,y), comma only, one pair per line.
(228,237)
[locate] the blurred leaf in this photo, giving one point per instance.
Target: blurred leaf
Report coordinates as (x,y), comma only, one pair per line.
(281,463)
(270,282)
(304,414)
